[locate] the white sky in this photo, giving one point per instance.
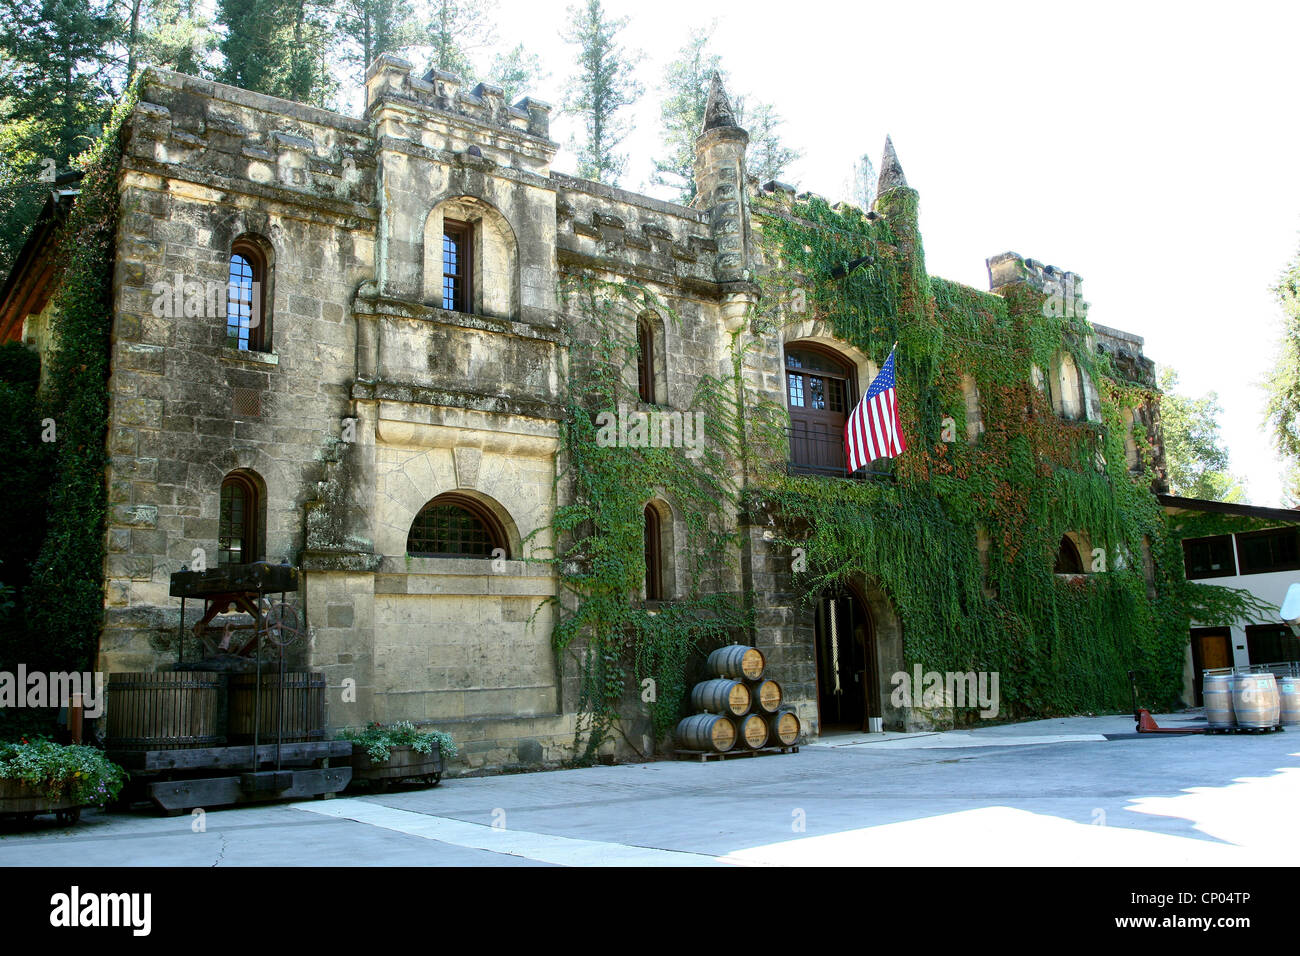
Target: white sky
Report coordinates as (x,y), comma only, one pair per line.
(1150,147)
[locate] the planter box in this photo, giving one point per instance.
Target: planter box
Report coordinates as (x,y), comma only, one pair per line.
(19,797)
(404,763)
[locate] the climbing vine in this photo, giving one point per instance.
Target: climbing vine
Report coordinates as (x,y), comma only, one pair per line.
(65,601)
(628,644)
(1061,644)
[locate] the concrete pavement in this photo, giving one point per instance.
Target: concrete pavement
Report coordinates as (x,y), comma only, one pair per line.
(1054,792)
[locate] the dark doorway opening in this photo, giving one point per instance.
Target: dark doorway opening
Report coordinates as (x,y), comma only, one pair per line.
(848,684)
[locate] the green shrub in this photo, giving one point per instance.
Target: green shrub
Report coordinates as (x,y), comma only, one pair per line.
(77,773)
(380,739)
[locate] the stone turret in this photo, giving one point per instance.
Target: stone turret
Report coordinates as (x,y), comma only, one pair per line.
(897,202)
(719,182)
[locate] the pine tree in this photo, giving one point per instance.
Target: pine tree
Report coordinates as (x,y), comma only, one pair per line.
(685,92)
(601,88)
(278,47)
(455,29)
(53,102)
(861,186)
(517,72)
(767,157)
(368,28)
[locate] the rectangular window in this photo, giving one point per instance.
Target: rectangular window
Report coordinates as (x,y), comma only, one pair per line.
(1209,557)
(456,258)
(1275,550)
(1271,644)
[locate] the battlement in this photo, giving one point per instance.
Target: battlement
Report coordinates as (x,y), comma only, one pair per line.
(391,78)
(1011,267)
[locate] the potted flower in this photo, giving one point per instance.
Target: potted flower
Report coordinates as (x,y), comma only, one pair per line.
(40,776)
(383,753)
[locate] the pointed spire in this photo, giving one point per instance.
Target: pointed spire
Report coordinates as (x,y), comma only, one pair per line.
(717,111)
(891,170)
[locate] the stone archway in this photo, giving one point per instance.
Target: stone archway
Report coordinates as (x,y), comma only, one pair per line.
(857,644)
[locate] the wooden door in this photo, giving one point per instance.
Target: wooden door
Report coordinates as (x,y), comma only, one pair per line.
(1211,649)
(819,393)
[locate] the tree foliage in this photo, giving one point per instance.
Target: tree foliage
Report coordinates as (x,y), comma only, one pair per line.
(1283,386)
(278,47)
(684,97)
(1195,456)
(600,90)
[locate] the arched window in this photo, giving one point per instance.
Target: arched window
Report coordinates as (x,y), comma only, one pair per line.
(820,392)
(246,317)
(645,360)
(239,540)
(1068,393)
(471,260)
(455,526)
(654,564)
(974,417)
(1067,558)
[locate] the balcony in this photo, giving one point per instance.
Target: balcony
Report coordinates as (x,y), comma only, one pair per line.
(822,453)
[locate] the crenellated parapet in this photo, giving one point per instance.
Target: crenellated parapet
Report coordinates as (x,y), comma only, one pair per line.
(437,111)
(1010,267)
(221,136)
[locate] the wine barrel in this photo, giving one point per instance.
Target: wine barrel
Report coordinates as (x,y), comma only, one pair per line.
(721,696)
(753,732)
(1288,696)
(1255,699)
(714,733)
(174,710)
(767,696)
(784,728)
(1216,690)
(302,703)
(737,661)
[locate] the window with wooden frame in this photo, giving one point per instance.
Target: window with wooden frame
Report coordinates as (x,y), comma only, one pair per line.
(645,360)
(1278,549)
(820,393)
(455,526)
(238,538)
(246,298)
(654,564)
(457,265)
(1211,557)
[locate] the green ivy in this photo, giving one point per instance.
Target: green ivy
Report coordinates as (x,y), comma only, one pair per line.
(1061,645)
(599,549)
(65,600)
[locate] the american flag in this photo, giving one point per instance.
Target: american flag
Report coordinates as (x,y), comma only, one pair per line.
(873,430)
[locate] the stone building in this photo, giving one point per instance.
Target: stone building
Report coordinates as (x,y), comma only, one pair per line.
(382,400)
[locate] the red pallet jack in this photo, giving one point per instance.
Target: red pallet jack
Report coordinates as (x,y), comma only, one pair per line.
(1146,724)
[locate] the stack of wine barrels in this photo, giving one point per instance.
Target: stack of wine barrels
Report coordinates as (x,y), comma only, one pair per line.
(738,708)
(1251,698)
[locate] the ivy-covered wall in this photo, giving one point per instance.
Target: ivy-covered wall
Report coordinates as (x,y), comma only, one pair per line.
(953,544)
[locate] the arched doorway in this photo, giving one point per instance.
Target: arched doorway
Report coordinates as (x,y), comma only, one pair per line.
(848,679)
